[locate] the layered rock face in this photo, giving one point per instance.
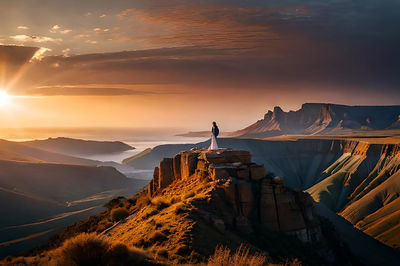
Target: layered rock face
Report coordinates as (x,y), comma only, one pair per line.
(321,118)
(247,195)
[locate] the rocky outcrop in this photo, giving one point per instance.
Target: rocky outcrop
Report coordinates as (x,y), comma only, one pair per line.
(247,194)
(323,118)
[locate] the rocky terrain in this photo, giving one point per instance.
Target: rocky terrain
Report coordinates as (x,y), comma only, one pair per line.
(321,118)
(200,199)
(363,186)
(353,177)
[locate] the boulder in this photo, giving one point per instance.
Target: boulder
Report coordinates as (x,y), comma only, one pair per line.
(257,172)
(166,175)
(268,212)
(188,163)
(156,183)
(177,166)
(243,173)
(290,213)
(245,198)
(218,173)
(150,190)
(226,156)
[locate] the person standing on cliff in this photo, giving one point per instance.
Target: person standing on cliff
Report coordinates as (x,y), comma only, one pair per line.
(214,135)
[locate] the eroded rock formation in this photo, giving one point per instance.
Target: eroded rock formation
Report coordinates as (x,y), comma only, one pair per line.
(250,196)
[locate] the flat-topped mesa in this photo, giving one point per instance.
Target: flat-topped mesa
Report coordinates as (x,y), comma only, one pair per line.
(252,196)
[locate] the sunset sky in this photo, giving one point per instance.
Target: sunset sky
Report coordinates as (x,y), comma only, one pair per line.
(153,63)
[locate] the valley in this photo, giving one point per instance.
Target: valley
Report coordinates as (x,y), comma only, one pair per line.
(357,178)
(42,191)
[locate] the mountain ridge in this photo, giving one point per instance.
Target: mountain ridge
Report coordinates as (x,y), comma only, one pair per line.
(323,118)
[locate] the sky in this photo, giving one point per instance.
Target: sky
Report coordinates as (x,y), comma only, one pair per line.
(153,63)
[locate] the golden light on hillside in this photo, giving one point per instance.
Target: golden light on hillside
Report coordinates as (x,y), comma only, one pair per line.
(5,98)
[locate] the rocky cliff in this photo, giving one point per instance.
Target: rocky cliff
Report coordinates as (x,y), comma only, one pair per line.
(363,186)
(356,178)
(321,118)
(199,199)
(253,197)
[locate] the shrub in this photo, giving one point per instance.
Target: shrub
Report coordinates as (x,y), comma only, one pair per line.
(157,236)
(84,249)
(89,249)
(223,257)
(119,254)
(160,202)
(115,202)
(118,214)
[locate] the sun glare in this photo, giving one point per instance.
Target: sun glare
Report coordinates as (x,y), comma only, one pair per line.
(5,98)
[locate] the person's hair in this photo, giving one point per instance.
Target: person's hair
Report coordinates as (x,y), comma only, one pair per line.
(214,123)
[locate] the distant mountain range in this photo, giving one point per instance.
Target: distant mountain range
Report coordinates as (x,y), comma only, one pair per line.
(76,147)
(323,118)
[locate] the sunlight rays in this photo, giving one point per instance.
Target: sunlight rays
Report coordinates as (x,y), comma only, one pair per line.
(5,98)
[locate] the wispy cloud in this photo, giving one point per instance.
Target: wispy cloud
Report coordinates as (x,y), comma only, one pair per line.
(65,31)
(22,27)
(32,38)
(39,55)
(85,90)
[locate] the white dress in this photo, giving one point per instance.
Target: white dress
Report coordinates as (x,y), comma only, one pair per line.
(214,145)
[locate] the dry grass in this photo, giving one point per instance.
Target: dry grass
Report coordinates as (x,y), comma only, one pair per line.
(118,214)
(157,236)
(242,256)
(89,249)
(161,202)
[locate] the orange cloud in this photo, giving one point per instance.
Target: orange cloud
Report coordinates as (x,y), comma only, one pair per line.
(219,26)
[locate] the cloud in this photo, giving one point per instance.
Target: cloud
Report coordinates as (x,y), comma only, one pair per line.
(39,54)
(198,25)
(31,38)
(80,36)
(65,31)
(103,16)
(57,29)
(22,27)
(91,42)
(65,52)
(76,90)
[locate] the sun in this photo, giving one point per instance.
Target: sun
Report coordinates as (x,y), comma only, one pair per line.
(5,98)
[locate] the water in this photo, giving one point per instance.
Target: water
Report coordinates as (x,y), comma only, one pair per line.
(141,145)
(140,138)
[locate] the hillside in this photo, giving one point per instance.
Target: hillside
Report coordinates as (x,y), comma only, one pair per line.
(76,147)
(336,171)
(321,118)
(363,187)
(20,152)
(198,200)
(36,197)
